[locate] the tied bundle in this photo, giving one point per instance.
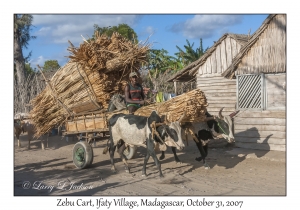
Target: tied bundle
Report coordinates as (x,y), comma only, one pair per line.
(192,103)
(97,70)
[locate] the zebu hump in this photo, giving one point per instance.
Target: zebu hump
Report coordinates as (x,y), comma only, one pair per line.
(139,121)
(114,119)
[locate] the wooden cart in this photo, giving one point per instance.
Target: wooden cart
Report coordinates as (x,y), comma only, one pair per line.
(89,127)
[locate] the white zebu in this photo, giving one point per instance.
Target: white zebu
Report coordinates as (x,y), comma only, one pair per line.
(137,130)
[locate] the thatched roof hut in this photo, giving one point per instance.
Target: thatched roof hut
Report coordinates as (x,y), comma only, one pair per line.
(266,50)
(190,71)
(259,70)
(207,70)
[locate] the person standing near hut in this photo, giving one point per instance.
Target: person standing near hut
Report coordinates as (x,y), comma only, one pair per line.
(134,94)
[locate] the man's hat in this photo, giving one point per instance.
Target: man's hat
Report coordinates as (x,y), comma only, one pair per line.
(133,74)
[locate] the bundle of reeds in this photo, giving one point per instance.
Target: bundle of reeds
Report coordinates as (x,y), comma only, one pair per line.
(192,103)
(98,69)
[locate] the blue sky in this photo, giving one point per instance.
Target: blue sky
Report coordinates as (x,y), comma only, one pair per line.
(166,30)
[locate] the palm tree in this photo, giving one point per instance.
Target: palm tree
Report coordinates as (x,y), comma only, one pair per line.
(189,55)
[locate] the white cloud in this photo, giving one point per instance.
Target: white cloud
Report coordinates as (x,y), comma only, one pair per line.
(205,26)
(61,28)
(40,60)
(43,31)
(37,61)
(150,30)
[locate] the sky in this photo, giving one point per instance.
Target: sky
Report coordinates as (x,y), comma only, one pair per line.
(162,31)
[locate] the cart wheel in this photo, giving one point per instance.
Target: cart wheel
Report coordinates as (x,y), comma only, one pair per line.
(82,155)
(129,152)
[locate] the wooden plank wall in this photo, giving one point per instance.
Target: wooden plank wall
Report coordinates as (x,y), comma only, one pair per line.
(219,92)
(262,130)
(268,54)
(221,58)
(275,91)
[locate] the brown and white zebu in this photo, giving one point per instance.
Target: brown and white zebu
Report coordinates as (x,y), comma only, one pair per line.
(213,127)
(137,130)
(23,125)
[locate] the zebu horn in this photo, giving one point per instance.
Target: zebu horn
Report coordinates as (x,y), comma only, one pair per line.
(234,113)
(220,113)
(181,118)
(166,120)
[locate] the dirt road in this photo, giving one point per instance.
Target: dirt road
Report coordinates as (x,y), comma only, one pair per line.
(51,172)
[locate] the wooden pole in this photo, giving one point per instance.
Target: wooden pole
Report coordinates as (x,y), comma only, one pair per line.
(55,96)
(175,87)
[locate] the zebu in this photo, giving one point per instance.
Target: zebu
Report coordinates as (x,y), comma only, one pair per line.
(22,125)
(137,130)
(213,127)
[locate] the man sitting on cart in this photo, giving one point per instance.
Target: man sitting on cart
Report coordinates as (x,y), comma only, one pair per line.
(134,94)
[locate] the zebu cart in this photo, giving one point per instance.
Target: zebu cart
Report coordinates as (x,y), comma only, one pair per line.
(88,127)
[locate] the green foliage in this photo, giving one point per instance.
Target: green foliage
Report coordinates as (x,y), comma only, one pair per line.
(159,60)
(28,69)
(22,28)
(189,55)
(122,29)
(51,65)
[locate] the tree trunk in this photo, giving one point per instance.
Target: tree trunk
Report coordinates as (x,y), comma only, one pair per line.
(19,62)
(18,57)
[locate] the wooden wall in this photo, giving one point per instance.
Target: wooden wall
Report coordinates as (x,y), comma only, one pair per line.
(262,130)
(268,54)
(265,130)
(221,58)
(219,92)
(275,85)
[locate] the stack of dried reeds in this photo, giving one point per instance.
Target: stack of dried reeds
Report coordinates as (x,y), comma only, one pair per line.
(98,69)
(193,103)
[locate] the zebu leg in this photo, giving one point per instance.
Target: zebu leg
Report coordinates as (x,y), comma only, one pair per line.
(175,155)
(18,138)
(29,138)
(151,151)
(162,156)
(112,149)
(145,163)
(157,163)
(203,152)
(19,143)
(122,156)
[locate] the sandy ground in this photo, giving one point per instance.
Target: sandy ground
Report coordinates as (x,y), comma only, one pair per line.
(51,172)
